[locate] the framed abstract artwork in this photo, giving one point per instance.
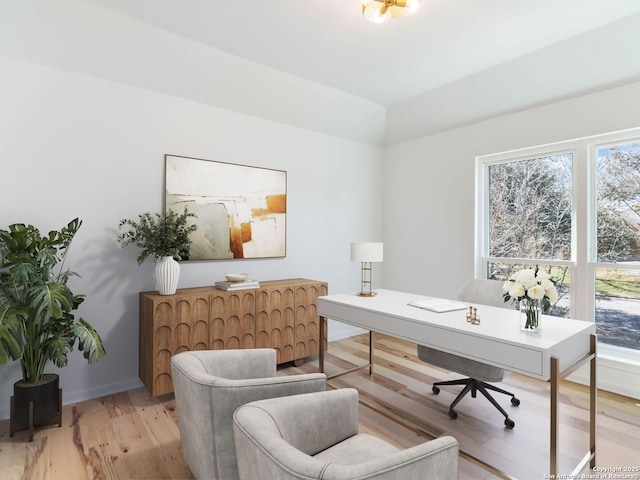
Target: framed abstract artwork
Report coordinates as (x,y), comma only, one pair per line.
(241,211)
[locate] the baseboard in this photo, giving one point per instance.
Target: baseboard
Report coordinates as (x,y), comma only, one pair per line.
(88,394)
(612,375)
(338,331)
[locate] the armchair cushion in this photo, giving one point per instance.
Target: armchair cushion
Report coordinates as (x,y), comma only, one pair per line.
(357,449)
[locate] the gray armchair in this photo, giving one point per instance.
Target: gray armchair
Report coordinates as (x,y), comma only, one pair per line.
(315,436)
(475,292)
(209,385)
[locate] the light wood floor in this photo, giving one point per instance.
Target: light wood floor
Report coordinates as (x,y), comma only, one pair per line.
(130,435)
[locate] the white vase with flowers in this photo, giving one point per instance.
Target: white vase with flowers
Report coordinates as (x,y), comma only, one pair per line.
(535,291)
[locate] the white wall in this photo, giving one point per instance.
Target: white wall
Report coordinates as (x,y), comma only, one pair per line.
(80,37)
(429,191)
(579,65)
(73,145)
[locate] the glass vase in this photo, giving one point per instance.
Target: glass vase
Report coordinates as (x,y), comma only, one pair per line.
(530,311)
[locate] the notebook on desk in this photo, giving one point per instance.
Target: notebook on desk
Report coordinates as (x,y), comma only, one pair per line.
(438,305)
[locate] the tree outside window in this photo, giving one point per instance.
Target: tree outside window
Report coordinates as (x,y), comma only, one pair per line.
(531,213)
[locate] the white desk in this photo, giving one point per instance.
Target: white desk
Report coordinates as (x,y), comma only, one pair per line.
(558,349)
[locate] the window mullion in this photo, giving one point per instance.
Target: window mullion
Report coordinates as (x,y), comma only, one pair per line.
(582,281)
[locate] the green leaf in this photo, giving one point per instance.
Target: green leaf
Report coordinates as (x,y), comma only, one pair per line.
(51,301)
(162,236)
(11,338)
(89,342)
(57,347)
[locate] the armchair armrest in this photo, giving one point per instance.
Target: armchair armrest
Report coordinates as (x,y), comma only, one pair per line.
(241,363)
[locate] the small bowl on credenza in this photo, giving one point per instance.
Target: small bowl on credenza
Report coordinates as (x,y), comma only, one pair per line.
(236,277)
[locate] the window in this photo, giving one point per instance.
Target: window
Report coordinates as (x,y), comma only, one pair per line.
(617,263)
(572,209)
(530,219)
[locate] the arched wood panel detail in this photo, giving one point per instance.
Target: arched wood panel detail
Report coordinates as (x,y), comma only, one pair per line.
(181,337)
(200,333)
(164,314)
(162,363)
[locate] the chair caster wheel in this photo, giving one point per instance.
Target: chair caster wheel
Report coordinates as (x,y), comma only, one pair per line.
(453,414)
(509,423)
(435,390)
(515,402)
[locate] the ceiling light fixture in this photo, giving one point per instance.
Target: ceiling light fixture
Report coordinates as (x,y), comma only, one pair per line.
(378,11)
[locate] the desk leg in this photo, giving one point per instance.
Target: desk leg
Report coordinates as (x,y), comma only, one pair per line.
(593,396)
(590,457)
(323,327)
(370,352)
(554,425)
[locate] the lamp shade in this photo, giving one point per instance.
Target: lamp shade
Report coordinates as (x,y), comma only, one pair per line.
(366,252)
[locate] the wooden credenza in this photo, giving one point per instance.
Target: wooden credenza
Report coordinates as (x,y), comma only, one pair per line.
(280,314)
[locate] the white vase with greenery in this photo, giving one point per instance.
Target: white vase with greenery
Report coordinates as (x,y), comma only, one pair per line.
(165,238)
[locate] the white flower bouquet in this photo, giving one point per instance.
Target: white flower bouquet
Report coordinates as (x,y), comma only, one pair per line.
(531,287)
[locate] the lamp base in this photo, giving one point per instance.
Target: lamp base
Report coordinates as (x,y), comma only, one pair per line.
(366,294)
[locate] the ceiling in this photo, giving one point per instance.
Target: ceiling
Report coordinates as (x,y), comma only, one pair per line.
(328,41)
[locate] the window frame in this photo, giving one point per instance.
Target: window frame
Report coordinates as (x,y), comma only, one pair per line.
(583,262)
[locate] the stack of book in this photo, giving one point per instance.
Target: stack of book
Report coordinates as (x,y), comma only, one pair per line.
(245,284)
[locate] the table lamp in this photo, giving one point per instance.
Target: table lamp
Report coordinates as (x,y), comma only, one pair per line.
(366,253)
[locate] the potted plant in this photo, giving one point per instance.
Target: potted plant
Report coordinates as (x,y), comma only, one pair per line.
(37,322)
(165,237)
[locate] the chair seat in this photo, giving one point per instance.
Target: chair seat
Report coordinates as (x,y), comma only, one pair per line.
(359,448)
(465,366)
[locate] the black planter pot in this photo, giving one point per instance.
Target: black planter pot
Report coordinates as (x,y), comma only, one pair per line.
(36,405)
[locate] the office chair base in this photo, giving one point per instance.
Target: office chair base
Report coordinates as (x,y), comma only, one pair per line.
(472,385)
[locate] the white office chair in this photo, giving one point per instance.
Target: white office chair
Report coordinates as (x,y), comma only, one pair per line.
(474,292)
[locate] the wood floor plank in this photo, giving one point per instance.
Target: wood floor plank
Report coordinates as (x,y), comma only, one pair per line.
(130,435)
(65,442)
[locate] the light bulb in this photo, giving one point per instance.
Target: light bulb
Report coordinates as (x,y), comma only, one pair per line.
(375,11)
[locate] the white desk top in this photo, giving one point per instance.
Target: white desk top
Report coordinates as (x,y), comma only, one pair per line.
(497,340)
